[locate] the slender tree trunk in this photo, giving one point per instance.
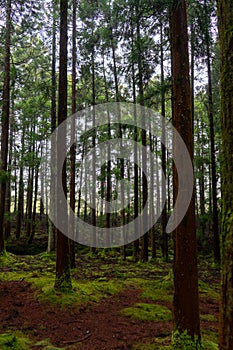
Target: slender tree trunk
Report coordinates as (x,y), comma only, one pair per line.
(72,149)
(7,228)
(29,201)
(33,228)
(212,147)
(93,191)
(152,227)
(225,17)
(20,207)
(31,184)
(51,227)
(42,186)
(121,161)
(80,182)
(163,147)
(5,122)
(186,313)
(108,167)
(144,252)
(63,278)
(136,244)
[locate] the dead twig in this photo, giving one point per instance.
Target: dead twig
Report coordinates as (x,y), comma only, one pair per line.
(68,342)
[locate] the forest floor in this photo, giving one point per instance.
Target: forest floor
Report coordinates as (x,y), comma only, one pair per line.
(114,304)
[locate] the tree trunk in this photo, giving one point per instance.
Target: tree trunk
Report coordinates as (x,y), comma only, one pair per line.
(212,148)
(225,17)
(51,227)
(20,207)
(144,252)
(152,209)
(5,123)
(33,229)
(93,192)
(63,278)
(108,167)
(163,147)
(72,149)
(136,243)
(186,300)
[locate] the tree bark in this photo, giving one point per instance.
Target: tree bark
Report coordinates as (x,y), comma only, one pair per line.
(163,147)
(63,278)
(51,227)
(5,123)
(73,149)
(225,18)
(186,300)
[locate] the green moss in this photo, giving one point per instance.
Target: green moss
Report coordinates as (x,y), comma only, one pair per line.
(208,317)
(148,312)
(210,335)
(7,259)
(209,345)
(208,291)
(82,293)
(45,344)
(15,340)
(183,341)
(63,282)
(155,290)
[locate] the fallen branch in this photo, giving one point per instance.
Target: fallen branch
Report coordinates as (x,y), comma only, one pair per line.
(68,342)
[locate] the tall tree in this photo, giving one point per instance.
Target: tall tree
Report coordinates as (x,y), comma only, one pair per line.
(51,227)
(186,313)
(215,227)
(5,122)
(225,18)
(63,278)
(72,149)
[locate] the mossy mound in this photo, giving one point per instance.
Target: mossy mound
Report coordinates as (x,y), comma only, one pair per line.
(148,312)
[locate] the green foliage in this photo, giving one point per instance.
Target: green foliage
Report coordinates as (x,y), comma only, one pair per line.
(4,176)
(183,341)
(148,312)
(208,291)
(17,341)
(208,317)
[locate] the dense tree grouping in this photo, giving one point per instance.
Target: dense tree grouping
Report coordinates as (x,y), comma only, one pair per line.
(173,57)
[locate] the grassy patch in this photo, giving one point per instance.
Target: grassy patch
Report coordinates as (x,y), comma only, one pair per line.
(45,344)
(83,291)
(15,340)
(208,317)
(208,291)
(148,312)
(155,290)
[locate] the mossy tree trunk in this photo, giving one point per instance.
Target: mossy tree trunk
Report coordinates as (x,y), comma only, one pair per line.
(225,17)
(186,300)
(63,278)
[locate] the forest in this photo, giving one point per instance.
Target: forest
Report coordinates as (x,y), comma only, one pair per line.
(116,187)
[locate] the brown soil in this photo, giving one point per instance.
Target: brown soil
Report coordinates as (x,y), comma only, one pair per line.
(97,327)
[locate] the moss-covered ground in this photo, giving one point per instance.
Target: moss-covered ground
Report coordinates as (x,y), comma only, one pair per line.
(105,275)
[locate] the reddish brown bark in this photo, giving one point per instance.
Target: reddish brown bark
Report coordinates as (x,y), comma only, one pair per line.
(63,279)
(225,16)
(186,300)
